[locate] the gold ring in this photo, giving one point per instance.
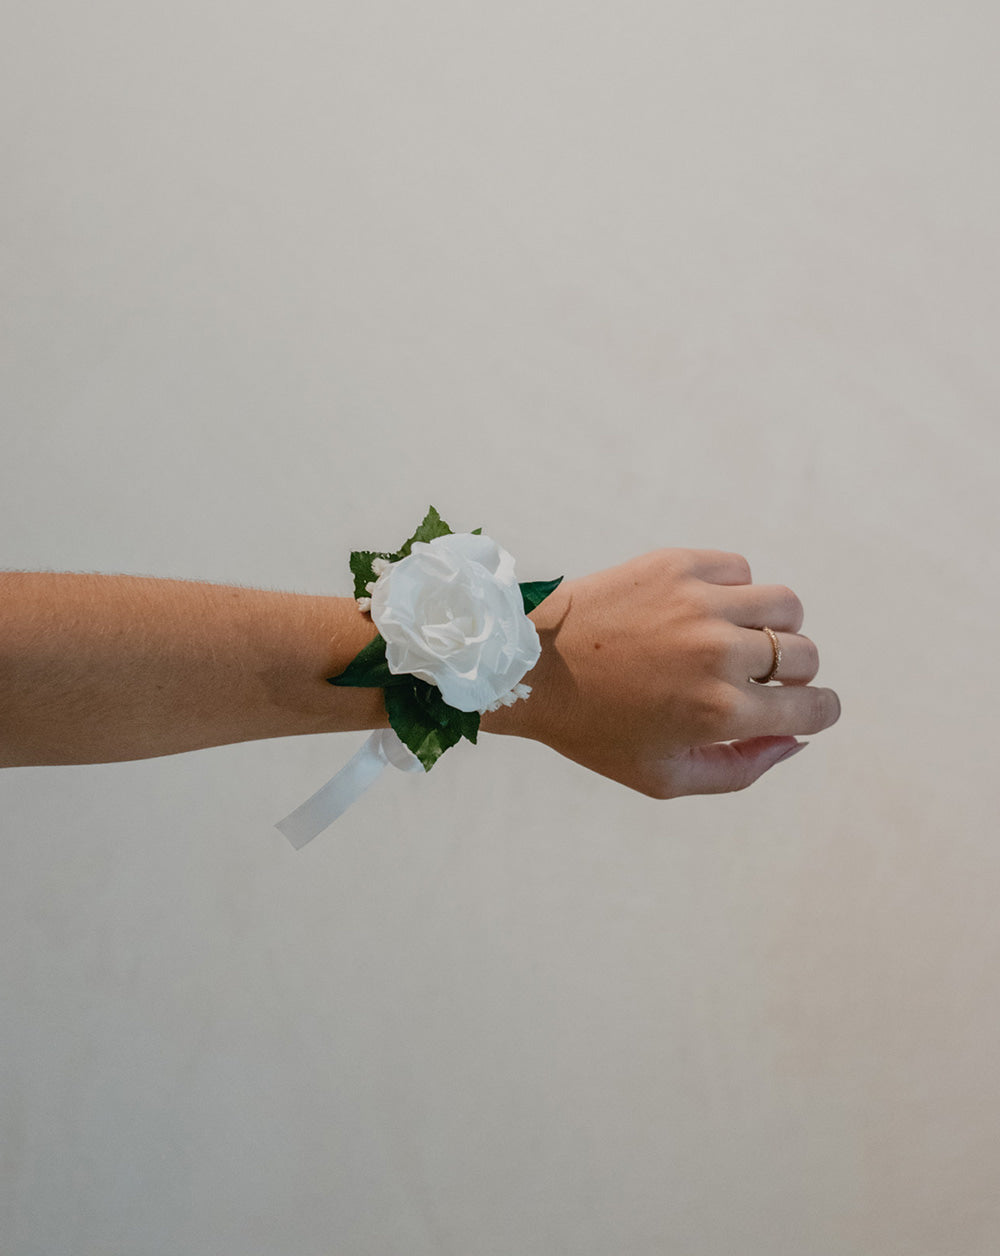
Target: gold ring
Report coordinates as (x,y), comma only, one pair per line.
(775,663)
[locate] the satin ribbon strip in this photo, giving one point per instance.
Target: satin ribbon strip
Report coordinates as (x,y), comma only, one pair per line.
(331,800)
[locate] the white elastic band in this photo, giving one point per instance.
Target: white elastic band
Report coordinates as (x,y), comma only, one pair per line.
(331,800)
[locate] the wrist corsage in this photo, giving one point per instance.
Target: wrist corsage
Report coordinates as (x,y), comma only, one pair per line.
(454,641)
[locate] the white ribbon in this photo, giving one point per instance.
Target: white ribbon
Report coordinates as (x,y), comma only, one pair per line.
(358,774)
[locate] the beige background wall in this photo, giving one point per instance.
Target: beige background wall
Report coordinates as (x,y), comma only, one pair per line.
(601,278)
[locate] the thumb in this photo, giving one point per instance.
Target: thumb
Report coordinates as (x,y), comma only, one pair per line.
(725,767)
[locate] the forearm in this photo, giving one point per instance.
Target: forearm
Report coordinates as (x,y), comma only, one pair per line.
(103,668)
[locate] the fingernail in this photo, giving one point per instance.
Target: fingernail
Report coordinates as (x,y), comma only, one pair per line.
(794,750)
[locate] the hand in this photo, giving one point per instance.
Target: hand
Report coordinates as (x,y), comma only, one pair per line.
(644,675)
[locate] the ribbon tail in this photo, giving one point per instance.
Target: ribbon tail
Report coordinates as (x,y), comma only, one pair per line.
(332,799)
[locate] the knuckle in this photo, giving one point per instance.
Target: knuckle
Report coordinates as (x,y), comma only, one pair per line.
(812,655)
(715,711)
(692,596)
(681,557)
(672,563)
(717,650)
(724,649)
(792,604)
(657,566)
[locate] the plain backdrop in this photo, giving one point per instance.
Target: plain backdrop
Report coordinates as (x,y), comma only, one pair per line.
(599,278)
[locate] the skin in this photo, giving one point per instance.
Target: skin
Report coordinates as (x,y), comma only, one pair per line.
(642,676)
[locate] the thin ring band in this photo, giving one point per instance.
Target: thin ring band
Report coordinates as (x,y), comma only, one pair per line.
(776,663)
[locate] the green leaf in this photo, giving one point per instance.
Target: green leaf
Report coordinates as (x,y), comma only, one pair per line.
(534,592)
(437,711)
(361,565)
(469,725)
(407,711)
(361,560)
(368,669)
(432,526)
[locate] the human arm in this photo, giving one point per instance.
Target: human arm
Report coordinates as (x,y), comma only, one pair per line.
(642,675)
(101,668)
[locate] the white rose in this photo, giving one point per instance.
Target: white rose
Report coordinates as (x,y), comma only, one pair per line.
(452,614)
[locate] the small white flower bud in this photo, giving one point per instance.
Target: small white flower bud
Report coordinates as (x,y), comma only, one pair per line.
(508,699)
(380,565)
(364,603)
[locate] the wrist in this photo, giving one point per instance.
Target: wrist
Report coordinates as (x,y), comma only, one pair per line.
(339,631)
(532,717)
(442,657)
